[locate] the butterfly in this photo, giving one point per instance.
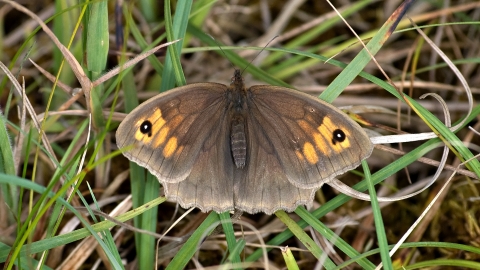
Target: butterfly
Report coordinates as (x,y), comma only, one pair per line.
(258,149)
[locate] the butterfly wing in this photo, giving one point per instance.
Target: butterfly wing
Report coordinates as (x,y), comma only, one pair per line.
(184,145)
(312,140)
(165,133)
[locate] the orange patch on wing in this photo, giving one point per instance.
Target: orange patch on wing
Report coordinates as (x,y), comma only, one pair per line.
(170,147)
(310,153)
(161,136)
(321,143)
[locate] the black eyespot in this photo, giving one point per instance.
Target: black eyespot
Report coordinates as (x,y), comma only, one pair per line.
(338,136)
(146,128)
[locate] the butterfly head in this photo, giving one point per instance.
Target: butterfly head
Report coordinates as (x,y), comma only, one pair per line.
(237,80)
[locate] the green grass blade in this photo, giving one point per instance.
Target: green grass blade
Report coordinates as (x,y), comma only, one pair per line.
(377,216)
(9,191)
(96,52)
(289,259)
(230,236)
(175,30)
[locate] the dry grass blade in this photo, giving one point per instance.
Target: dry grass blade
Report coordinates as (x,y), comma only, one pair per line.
(457,73)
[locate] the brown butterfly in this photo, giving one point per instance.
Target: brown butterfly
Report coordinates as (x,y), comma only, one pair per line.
(258,149)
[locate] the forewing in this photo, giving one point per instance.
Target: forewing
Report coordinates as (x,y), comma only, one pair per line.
(181,120)
(302,132)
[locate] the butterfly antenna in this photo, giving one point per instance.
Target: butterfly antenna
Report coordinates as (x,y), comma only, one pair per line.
(249,64)
(220,47)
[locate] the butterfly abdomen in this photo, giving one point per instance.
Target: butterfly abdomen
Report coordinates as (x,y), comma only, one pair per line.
(238,142)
